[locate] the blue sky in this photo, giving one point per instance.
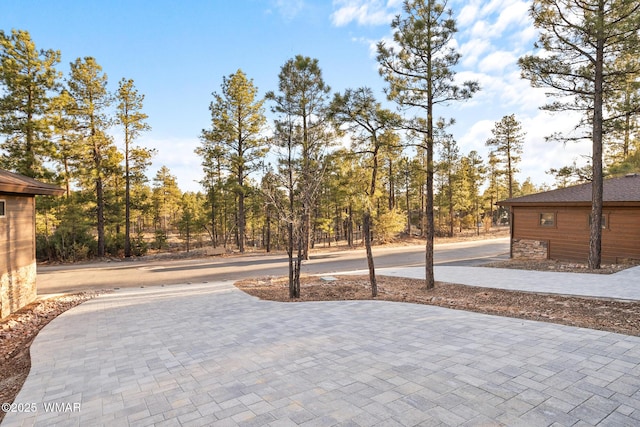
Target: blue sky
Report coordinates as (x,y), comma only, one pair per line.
(178,51)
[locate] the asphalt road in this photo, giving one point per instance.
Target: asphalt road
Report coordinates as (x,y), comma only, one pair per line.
(120,274)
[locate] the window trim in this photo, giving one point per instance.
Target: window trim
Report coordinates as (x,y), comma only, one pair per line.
(3,211)
(543,225)
(605,220)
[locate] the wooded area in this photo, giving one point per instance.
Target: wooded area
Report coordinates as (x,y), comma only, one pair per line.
(285,180)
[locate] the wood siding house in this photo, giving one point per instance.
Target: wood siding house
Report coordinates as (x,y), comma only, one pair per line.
(18,239)
(555,224)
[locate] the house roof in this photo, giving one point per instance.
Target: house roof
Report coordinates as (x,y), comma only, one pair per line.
(616,191)
(20,184)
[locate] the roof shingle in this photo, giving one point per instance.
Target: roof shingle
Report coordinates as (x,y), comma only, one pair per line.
(624,189)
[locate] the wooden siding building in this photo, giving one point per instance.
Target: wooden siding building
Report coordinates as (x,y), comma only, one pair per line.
(555,224)
(18,239)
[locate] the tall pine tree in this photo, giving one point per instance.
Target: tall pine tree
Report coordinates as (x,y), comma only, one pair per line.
(367,122)
(578,46)
(419,69)
(132,119)
(27,79)
(507,142)
(237,121)
(88,88)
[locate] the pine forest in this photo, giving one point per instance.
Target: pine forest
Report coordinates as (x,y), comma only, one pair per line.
(288,168)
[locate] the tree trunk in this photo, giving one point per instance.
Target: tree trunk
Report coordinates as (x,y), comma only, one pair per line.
(241,225)
(509,170)
(298,267)
(406,183)
(350,227)
(595,239)
(450,197)
(100,216)
(188,236)
(423,208)
(214,233)
(268,230)
(127,200)
(294,265)
(366,222)
(392,187)
(305,237)
(429,279)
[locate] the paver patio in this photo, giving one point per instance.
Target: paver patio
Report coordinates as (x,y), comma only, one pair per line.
(209,354)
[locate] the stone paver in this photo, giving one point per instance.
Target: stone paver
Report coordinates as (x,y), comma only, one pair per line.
(622,285)
(209,354)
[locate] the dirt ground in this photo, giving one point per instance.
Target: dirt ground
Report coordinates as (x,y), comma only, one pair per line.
(18,331)
(596,313)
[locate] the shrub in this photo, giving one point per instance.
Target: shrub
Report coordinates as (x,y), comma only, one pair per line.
(139,246)
(114,244)
(388,225)
(160,240)
(67,244)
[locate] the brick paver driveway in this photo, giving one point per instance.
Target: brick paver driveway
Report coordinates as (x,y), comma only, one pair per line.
(212,355)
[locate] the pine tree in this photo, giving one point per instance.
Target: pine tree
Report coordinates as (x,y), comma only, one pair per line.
(367,121)
(449,167)
(474,172)
(420,74)
(132,119)
(88,88)
(237,122)
(65,135)
(166,199)
(303,96)
(622,130)
(213,164)
(27,78)
(493,193)
(579,43)
(507,142)
(191,221)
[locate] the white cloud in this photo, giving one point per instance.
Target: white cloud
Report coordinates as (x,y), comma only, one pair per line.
(364,12)
(540,155)
(288,9)
(493,6)
(519,94)
(179,156)
(472,50)
(497,61)
(482,23)
(525,37)
(475,137)
(468,13)
(515,14)
(480,30)
(506,92)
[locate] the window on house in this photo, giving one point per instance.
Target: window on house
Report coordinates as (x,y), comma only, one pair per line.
(2,207)
(603,221)
(547,219)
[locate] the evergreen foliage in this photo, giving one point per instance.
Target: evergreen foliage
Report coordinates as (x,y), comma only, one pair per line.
(584,59)
(326,170)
